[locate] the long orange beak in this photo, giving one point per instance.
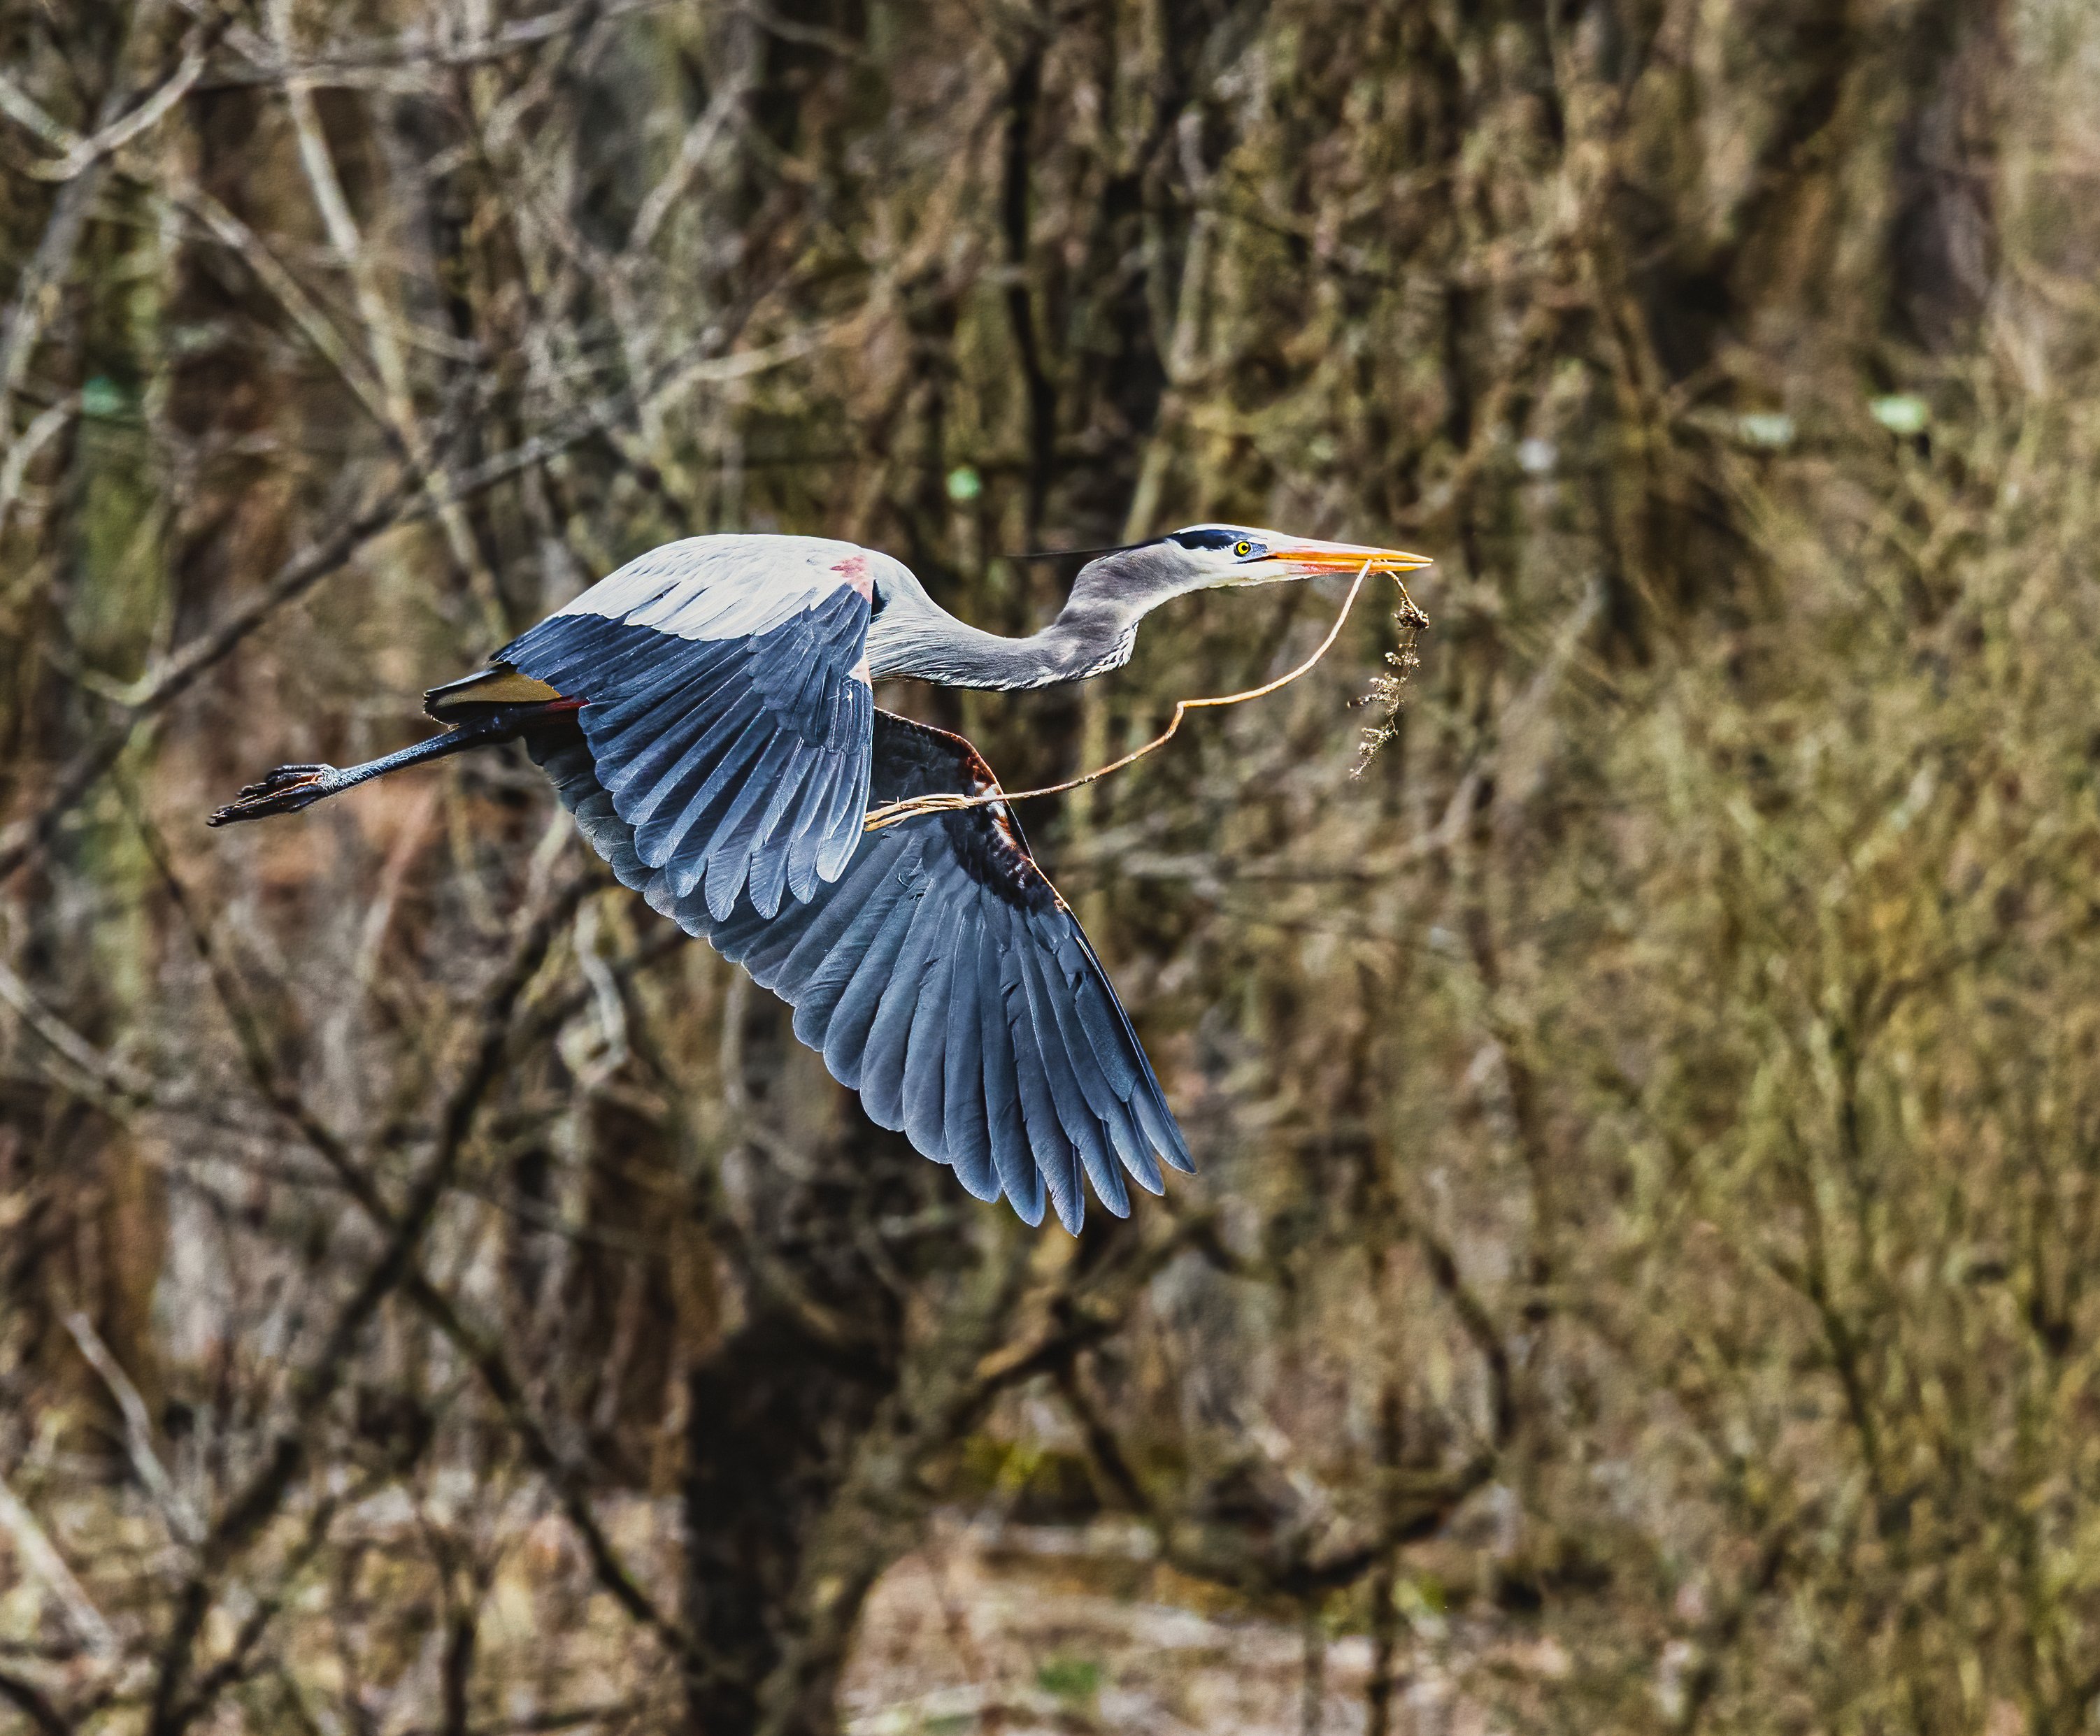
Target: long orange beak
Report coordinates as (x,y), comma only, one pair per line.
(1303,559)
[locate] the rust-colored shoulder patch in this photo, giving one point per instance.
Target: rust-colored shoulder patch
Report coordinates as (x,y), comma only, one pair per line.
(1011,849)
(982,781)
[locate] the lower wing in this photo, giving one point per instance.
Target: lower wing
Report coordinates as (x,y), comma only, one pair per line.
(942,978)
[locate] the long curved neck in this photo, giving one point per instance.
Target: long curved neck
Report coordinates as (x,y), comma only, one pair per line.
(913,636)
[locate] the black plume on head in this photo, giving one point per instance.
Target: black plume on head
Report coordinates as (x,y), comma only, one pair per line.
(1198,536)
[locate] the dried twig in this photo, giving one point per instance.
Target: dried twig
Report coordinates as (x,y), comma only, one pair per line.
(397,395)
(182,1518)
(33,1704)
(42,1557)
(1389,691)
(82,154)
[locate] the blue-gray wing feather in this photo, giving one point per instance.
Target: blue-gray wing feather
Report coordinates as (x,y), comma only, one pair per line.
(940,976)
(740,765)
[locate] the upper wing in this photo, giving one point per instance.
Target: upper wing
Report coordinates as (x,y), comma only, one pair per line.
(943,978)
(726,701)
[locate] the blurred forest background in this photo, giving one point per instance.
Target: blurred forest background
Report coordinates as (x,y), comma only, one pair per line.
(1642,1276)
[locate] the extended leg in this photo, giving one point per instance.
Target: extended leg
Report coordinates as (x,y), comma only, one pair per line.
(291,788)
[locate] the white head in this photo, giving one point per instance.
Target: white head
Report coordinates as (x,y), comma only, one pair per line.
(1246,554)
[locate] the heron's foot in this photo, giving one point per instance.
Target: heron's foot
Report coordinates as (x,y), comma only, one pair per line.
(285,791)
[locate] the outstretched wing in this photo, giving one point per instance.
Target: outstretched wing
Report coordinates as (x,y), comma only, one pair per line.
(725,695)
(942,978)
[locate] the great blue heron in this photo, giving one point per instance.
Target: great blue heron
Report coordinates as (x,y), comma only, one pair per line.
(706,714)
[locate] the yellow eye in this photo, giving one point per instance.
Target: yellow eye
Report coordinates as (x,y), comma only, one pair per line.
(1243,549)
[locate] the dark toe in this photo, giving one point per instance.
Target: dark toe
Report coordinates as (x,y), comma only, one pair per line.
(285,791)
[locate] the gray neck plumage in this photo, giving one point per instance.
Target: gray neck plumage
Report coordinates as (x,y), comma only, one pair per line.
(913,636)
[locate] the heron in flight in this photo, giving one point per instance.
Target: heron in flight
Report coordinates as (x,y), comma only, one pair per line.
(707,713)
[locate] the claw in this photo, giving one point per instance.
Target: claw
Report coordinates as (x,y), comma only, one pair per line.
(285,791)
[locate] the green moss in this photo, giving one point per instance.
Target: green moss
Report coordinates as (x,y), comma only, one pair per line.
(1069,1678)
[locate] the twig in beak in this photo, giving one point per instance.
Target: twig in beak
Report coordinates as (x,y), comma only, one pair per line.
(1389,692)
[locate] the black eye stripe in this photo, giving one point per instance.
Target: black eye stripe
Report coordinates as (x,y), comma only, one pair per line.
(1205,538)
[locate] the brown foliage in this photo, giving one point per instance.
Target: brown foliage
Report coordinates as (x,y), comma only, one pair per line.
(1640,1275)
